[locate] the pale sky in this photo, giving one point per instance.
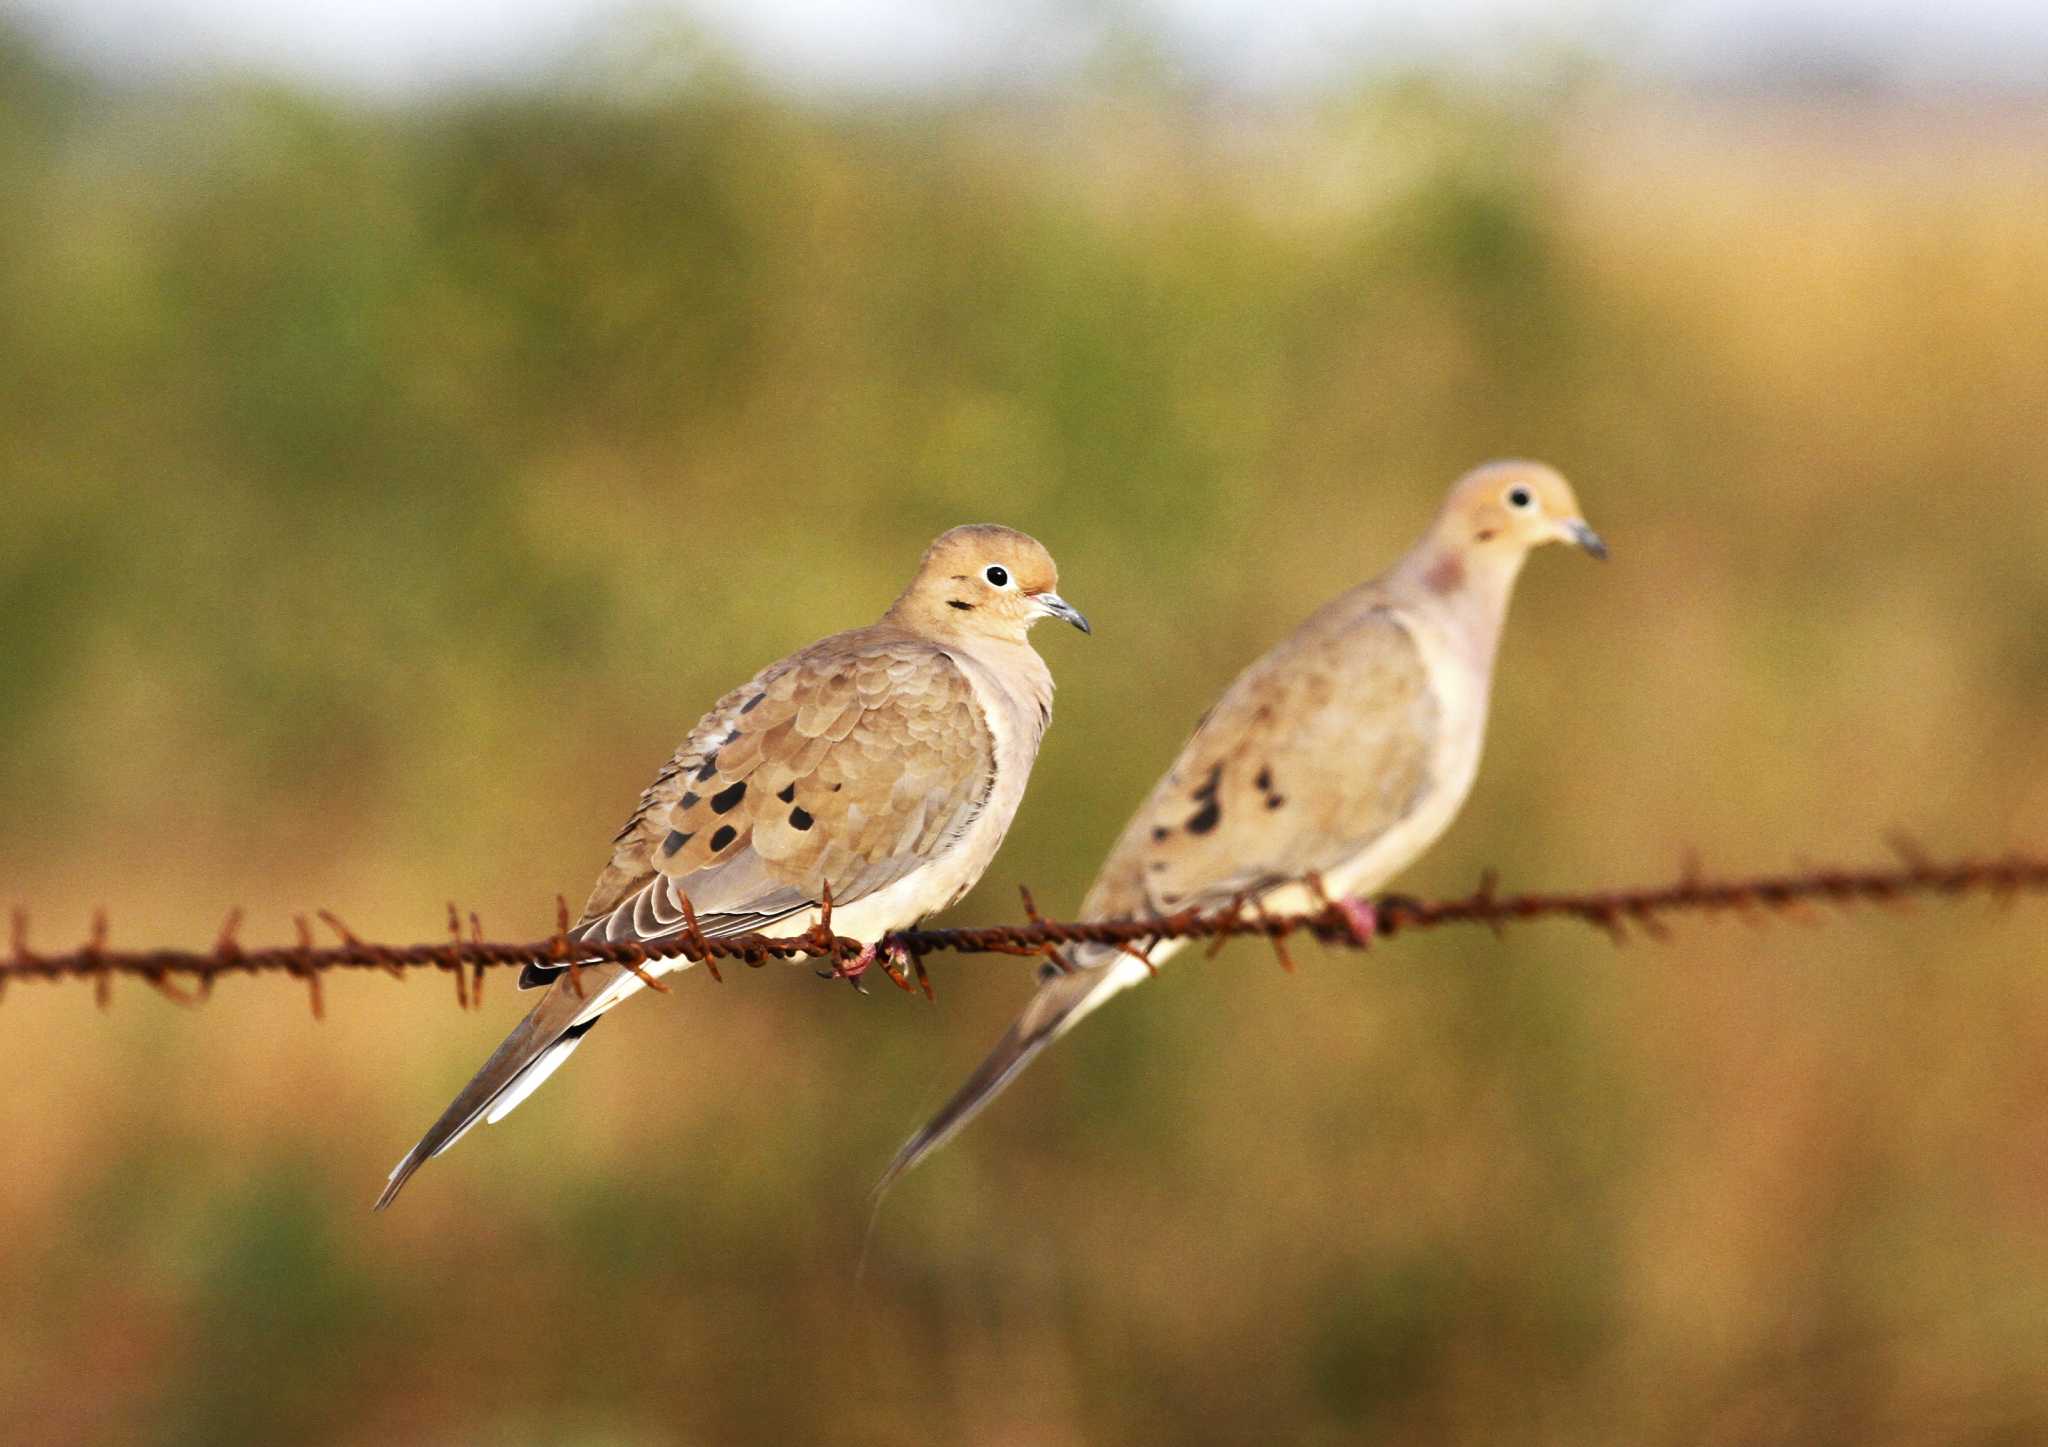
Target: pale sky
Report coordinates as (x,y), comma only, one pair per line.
(411,47)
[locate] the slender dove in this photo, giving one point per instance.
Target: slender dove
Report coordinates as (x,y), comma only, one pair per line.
(883,764)
(1331,763)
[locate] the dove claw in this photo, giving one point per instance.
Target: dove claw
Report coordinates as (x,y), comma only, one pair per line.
(892,957)
(895,963)
(854,968)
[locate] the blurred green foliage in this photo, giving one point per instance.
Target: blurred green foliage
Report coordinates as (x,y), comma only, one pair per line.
(387,490)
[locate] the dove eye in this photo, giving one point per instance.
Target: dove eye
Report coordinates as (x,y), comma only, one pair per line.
(1521,498)
(997,575)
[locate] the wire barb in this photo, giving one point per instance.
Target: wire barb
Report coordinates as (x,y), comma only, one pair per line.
(1648,912)
(304,961)
(558,947)
(456,964)
(17,941)
(1275,931)
(476,981)
(1031,915)
(694,933)
(639,968)
(95,952)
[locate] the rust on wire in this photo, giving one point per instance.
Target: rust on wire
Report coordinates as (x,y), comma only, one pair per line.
(822,932)
(558,947)
(693,934)
(17,943)
(636,962)
(1803,894)
(1032,917)
(476,983)
(456,965)
(1226,925)
(95,953)
(1276,935)
(1141,953)
(304,961)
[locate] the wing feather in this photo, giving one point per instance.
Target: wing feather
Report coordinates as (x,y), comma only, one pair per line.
(1315,751)
(848,765)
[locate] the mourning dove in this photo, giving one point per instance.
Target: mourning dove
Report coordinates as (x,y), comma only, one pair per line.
(1329,764)
(883,764)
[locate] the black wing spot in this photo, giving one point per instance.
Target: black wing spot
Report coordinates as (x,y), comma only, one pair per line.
(1274,801)
(724,801)
(710,768)
(1159,832)
(753,703)
(690,800)
(787,793)
(725,835)
(730,737)
(1204,819)
(798,819)
(1265,779)
(1208,788)
(675,842)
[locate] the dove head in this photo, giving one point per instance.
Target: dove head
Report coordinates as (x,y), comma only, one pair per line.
(1498,512)
(983,582)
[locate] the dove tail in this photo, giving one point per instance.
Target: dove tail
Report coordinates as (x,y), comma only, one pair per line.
(533,1051)
(1062,1002)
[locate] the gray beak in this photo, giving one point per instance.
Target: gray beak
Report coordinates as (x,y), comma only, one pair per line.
(1052,605)
(1582,533)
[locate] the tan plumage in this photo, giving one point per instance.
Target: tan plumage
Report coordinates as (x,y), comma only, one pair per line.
(1343,753)
(846,763)
(883,763)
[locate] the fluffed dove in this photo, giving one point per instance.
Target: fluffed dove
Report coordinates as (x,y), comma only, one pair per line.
(1339,756)
(884,763)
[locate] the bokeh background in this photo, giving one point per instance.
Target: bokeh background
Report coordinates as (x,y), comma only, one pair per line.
(392,471)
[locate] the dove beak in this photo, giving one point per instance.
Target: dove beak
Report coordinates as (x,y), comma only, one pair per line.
(1580,533)
(1052,605)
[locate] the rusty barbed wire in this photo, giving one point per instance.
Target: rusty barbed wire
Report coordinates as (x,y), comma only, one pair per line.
(468,955)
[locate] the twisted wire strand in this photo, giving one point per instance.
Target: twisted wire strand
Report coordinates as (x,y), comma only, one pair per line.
(187,975)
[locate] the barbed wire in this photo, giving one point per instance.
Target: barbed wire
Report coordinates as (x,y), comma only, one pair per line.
(467,955)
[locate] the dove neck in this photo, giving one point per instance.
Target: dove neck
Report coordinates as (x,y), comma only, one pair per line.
(1467,588)
(1014,665)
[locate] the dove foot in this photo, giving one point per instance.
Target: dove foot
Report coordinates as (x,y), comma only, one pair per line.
(895,963)
(851,970)
(1362,917)
(892,957)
